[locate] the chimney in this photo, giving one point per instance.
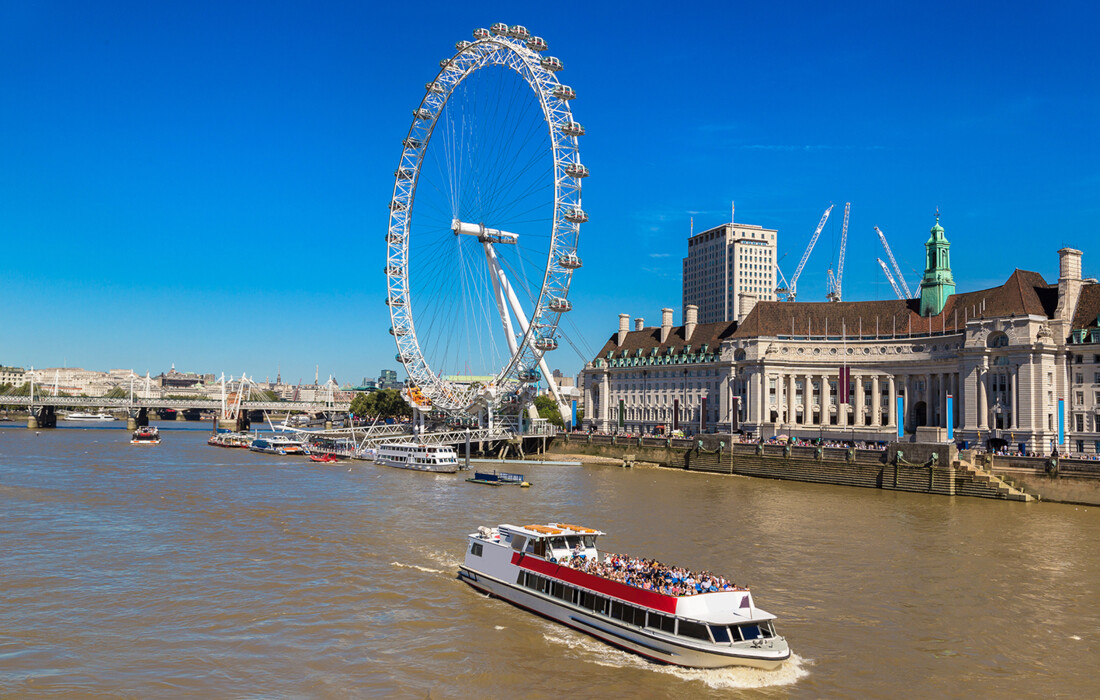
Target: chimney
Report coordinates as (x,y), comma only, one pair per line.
(624,328)
(691,318)
(746,302)
(639,324)
(666,323)
(1069,287)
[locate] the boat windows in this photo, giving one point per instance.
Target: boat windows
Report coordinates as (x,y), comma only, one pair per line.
(750,631)
(518,541)
(562,591)
(695,630)
(661,622)
(476,549)
(589,541)
(539,548)
(720,633)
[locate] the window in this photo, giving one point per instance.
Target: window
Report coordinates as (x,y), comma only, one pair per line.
(662,622)
(750,632)
(1080,378)
(476,548)
(1080,396)
(1079,423)
(720,633)
(695,630)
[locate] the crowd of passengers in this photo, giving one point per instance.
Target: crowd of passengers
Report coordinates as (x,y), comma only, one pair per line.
(649,574)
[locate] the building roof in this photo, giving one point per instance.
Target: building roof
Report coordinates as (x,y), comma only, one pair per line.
(710,334)
(1087,314)
(1024,293)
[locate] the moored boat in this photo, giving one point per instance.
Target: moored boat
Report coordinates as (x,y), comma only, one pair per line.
(324,458)
(422,458)
(664,613)
(146,435)
(91,417)
(279,445)
(495,478)
(238,440)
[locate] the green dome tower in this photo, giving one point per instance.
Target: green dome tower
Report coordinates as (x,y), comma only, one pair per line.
(937,283)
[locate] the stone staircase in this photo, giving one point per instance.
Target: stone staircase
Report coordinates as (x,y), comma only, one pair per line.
(984,481)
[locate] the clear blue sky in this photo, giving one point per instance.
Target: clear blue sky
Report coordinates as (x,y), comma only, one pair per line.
(205,183)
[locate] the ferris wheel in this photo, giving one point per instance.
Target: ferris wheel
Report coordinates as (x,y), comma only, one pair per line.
(478,278)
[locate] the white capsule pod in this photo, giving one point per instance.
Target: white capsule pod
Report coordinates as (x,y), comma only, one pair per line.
(518,31)
(499,29)
(564,92)
(537,43)
(433,87)
(412,143)
(423,114)
(576,215)
(396,206)
(570,261)
(559,305)
(460,45)
(530,376)
(551,63)
(576,170)
(392,270)
(481,33)
(395,302)
(403,173)
(546,344)
(572,129)
(399,331)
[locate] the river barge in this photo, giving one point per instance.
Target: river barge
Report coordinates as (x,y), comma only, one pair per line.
(556,571)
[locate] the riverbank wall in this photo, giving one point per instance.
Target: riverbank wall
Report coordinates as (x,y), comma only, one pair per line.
(920,468)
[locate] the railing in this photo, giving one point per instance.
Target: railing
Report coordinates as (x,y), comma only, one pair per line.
(212,404)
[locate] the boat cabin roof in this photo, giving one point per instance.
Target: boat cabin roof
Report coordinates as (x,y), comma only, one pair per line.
(550,530)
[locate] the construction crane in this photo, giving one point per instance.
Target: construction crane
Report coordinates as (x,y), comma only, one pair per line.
(897,290)
(897,270)
(833,284)
(787,292)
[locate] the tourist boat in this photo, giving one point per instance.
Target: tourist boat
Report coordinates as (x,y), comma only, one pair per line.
(495,478)
(423,458)
(556,571)
(90,416)
(324,458)
(238,440)
(146,435)
(279,445)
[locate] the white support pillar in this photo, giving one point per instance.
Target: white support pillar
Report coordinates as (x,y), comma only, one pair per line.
(876,402)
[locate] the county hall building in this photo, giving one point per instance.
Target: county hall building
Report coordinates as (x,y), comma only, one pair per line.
(1020,363)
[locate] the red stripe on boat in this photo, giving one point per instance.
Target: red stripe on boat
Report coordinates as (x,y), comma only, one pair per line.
(614,589)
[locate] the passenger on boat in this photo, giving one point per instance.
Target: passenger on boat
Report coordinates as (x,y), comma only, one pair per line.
(650,575)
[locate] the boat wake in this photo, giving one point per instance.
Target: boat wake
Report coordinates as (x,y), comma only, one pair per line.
(735,677)
(425,569)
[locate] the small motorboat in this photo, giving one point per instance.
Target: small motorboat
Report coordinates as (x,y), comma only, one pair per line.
(495,478)
(146,435)
(329,457)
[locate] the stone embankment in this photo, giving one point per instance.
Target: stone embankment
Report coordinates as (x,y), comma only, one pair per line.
(902,467)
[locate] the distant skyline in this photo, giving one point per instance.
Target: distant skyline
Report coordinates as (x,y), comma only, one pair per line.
(205,184)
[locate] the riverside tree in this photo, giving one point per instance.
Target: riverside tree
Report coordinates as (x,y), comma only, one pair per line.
(385,403)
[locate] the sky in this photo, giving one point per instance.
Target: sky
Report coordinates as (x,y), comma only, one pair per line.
(205,184)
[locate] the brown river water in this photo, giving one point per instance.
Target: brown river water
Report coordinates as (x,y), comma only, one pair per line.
(188,570)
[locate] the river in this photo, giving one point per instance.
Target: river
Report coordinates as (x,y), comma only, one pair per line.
(183,569)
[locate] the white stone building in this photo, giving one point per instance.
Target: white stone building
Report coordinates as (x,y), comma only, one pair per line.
(1021,363)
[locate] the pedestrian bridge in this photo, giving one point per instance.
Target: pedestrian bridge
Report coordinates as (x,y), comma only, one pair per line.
(126,403)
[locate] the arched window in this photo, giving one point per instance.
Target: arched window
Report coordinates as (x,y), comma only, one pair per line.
(997,340)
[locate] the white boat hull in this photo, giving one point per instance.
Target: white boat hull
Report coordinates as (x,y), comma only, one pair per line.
(642,641)
(436,468)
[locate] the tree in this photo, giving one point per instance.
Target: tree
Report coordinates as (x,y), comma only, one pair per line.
(386,403)
(548,409)
(116,393)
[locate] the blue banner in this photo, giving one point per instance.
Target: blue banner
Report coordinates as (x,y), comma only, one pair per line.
(1061,421)
(950,418)
(573,423)
(901,416)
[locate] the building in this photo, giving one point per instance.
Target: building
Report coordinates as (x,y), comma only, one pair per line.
(725,262)
(1014,366)
(388,380)
(15,376)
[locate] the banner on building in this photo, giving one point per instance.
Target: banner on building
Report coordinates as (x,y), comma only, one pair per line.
(900,416)
(703,414)
(1061,421)
(622,413)
(950,417)
(573,422)
(842,384)
(676,414)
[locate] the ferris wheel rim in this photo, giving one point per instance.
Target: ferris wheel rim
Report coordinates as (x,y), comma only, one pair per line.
(552,299)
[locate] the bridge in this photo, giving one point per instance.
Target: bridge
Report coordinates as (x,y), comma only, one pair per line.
(354,442)
(231,413)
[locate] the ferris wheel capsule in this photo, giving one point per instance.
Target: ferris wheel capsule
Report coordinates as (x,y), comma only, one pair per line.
(423,114)
(546,344)
(576,170)
(537,43)
(559,305)
(460,45)
(570,261)
(576,215)
(551,63)
(481,33)
(564,92)
(518,31)
(529,376)
(499,28)
(572,129)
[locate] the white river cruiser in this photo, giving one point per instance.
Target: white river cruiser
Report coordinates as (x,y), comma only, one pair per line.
(556,571)
(422,458)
